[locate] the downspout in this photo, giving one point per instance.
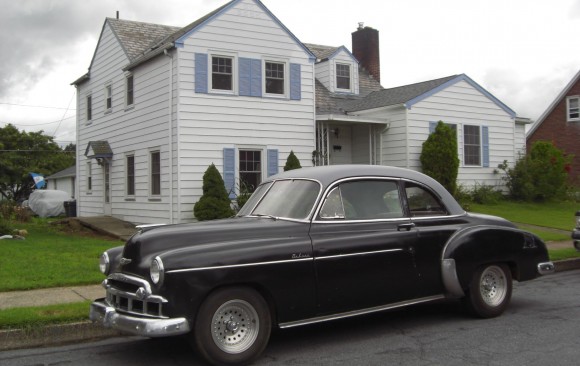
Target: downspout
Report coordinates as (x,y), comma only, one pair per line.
(171,180)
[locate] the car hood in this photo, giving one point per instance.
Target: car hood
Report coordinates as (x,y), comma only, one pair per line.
(207,241)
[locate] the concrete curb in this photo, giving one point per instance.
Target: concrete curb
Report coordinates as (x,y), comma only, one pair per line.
(55,335)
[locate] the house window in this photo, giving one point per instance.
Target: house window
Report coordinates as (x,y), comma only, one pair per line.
(89,108)
(108,97)
(343,76)
(130,175)
(89,177)
(472,145)
(155,173)
(275,78)
(221,73)
(129,89)
(573,108)
(251,168)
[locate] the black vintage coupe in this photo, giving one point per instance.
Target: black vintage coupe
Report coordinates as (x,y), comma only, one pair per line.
(313,245)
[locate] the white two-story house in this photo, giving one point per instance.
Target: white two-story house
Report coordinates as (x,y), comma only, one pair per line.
(237,89)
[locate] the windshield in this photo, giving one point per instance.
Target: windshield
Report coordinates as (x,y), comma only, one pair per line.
(292,198)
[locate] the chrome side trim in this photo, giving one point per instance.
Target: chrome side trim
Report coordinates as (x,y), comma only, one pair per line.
(546,268)
(239,265)
(450,279)
(357,254)
(349,314)
(110,318)
(282,261)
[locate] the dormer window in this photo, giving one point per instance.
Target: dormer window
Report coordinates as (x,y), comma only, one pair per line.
(343,76)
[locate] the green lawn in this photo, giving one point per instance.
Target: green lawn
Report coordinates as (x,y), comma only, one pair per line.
(32,317)
(49,257)
(559,215)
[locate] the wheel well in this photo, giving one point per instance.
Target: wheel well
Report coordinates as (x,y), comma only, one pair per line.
(256,287)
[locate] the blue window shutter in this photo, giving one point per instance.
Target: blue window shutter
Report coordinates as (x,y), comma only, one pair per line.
(201,80)
(272,162)
(485,145)
(295,82)
(432,126)
(250,78)
(245,75)
(230,171)
(256,78)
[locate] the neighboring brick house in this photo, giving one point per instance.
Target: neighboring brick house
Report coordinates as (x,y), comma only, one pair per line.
(560,124)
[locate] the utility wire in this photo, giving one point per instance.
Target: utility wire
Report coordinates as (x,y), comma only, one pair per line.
(32,106)
(64,114)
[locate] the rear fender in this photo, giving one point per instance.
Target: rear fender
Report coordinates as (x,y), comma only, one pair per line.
(472,247)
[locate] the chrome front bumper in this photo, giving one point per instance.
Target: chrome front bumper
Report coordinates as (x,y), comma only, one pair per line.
(546,268)
(110,318)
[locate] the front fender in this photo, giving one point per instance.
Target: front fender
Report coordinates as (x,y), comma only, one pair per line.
(472,247)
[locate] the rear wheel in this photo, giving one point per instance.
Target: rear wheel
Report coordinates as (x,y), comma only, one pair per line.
(490,291)
(232,327)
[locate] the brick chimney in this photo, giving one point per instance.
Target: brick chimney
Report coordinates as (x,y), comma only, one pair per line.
(365,47)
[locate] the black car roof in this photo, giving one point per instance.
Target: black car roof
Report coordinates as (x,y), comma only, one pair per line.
(329,174)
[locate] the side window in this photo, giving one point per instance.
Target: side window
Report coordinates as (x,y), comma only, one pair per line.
(422,202)
(363,200)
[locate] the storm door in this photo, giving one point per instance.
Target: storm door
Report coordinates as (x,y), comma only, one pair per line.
(363,247)
(106,188)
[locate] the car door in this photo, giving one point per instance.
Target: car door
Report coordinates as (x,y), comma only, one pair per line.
(434,228)
(363,247)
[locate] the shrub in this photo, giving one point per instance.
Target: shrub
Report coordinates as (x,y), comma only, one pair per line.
(439,158)
(484,195)
(540,175)
(243,197)
(5,229)
(292,162)
(7,210)
(214,203)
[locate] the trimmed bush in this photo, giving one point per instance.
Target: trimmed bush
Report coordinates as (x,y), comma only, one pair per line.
(292,162)
(214,203)
(439,158)
(540,175)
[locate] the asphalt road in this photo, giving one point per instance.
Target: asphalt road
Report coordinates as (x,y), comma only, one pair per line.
(541,327)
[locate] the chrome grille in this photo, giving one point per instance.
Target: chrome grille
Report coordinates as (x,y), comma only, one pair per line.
(133,295)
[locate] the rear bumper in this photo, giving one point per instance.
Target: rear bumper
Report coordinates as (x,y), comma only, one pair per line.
(101,313)
(546,268)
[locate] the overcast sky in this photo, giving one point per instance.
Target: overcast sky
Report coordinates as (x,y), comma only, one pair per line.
(524,52)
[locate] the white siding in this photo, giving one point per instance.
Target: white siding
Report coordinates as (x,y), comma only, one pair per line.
(136,130)
(520,140)
(462,104)
(210,122)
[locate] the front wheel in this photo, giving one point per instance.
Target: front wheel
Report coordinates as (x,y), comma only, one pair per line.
(232,327)
(490,291)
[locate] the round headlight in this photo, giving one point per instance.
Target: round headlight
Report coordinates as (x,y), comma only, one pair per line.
(156,271)
(104,263)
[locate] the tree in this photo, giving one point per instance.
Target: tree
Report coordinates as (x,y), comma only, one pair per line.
(24,152)
(292,162)
(439,158)
(214,203)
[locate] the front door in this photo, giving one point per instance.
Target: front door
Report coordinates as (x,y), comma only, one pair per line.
(106,189)
(363,247)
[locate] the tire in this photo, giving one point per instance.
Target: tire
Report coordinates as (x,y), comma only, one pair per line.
(232,327)
(490,291)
